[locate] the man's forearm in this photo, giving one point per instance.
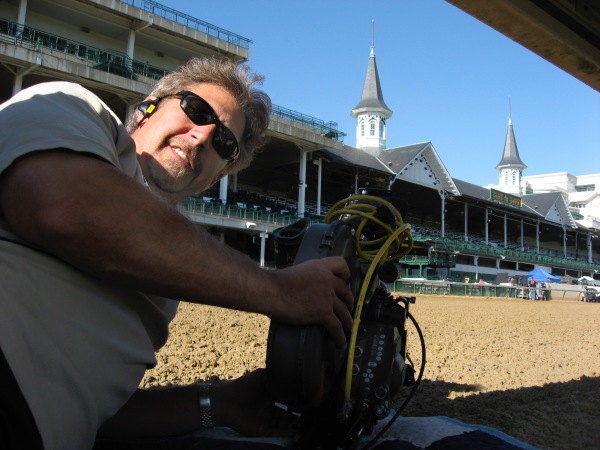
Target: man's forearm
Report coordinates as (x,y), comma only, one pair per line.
(89,214)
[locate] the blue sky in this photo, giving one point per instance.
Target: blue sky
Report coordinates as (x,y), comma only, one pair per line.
(447,77)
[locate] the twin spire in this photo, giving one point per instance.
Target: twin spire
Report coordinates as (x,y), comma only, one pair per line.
(372,97)
(371,112)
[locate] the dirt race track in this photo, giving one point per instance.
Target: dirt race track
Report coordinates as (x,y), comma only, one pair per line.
(529,369)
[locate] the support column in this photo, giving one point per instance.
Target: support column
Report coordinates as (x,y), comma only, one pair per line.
(20,73)
(138,26)
(22,14)
(319,163)
(223,189)
(443,195)
(302,184)
(130,43)
(505,231)
(263,243)
(522,235)
(466,222)
(487,225)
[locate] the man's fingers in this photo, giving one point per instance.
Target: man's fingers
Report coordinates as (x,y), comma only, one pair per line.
(336,331)
(344,293)
(343,314)
(338,266)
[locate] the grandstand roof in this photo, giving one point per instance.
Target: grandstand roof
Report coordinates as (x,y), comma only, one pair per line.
(419,163)
(352,156)
(551,206)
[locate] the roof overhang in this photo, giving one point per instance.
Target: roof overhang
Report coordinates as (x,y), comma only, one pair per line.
(564,32)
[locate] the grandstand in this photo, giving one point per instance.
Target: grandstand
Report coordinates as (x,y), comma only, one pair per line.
(118,49)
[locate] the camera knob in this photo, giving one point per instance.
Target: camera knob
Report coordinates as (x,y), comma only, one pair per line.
(381,392)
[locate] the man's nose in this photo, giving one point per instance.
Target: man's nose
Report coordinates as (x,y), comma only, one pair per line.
(202,135)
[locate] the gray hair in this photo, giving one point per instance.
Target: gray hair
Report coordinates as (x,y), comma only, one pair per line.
(235,79)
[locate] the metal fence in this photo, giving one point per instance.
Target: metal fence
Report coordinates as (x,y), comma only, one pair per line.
(189,21)
(329,129)
(555,292)
(259,215)
(107,60)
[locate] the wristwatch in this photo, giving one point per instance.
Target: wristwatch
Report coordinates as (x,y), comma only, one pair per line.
(204,403)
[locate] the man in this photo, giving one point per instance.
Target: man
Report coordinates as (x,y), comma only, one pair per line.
(92,250)
(532,289)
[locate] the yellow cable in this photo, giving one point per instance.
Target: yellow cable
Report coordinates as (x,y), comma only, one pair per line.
(396,235)
(352,344)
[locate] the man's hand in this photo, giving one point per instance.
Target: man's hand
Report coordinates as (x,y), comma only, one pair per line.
(317,291)
(245,405)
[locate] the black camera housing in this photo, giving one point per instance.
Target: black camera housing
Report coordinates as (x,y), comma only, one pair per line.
(305,370)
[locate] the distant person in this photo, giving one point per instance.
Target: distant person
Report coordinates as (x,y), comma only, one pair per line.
(542,290)
(481,281)
(532,289)
(430,251)
(547,289)
(584,293)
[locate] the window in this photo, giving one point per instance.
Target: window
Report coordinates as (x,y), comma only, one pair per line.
(586,188)
(514,177)
(372,124)
(362,127)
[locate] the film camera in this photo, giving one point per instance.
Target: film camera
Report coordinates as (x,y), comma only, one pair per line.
(340,395)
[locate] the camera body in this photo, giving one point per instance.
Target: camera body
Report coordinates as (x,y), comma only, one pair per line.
(340,394)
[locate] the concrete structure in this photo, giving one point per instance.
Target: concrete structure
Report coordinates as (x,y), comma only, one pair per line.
(581,192)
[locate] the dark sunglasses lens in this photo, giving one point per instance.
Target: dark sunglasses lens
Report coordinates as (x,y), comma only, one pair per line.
(225,143)
(198,110)
(201,113)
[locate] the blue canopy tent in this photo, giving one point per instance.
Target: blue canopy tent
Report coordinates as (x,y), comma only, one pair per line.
(541,275)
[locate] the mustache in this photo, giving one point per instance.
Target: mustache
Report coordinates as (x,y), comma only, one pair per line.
(189,149)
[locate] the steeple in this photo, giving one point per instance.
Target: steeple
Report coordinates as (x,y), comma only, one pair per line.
(511,167)
(371,111)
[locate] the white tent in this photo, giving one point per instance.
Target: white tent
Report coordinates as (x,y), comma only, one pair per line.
(589,281)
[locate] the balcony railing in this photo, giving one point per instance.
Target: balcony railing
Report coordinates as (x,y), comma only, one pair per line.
(107,60)
(329,129)
(237,211)
(189,21)
(457,246)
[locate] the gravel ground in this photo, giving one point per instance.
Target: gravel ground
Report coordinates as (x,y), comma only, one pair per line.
(529,369)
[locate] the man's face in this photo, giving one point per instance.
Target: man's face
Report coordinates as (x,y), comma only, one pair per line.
(177,156)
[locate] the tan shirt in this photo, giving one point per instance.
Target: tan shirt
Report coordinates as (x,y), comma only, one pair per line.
(77,346)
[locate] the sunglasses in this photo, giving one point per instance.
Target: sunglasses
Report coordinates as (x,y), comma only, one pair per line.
(201,113)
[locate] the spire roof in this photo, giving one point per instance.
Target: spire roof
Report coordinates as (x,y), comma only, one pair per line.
(510,157)
(372,97)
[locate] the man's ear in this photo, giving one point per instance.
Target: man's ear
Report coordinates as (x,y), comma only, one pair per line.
(147,107)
